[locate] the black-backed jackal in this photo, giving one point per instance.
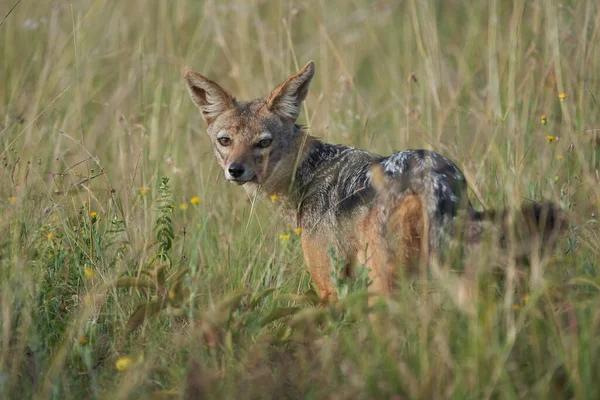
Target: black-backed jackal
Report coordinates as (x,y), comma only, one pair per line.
(389,213)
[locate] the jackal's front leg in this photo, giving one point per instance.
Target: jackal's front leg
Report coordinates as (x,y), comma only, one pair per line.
(316,254)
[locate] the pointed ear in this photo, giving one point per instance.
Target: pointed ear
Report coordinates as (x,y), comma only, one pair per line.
(210,98)
(286,100)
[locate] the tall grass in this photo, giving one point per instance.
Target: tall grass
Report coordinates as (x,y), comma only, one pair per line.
(115,284)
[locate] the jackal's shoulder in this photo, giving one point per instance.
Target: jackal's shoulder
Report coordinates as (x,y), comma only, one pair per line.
(331,163)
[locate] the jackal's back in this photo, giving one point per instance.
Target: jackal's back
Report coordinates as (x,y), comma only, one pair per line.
(335,184)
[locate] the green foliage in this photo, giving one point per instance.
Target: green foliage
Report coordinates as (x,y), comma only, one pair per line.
(346,281)
(168,288)
(164,222)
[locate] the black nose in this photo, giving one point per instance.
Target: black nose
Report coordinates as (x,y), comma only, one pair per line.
(236,170)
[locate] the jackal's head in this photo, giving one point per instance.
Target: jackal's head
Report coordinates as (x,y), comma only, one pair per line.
(255,141)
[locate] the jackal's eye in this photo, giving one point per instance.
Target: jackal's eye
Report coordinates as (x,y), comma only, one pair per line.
(263,144)
(224,141)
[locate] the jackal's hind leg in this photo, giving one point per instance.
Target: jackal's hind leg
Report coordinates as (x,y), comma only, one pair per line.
(378,257)
(397,242)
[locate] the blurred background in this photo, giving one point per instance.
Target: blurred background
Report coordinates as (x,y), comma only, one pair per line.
(94,111)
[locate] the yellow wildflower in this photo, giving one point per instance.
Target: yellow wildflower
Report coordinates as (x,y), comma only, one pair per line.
(550,139)
(93,214)
(274,198)
(298,230)
(516,307)
(284,236)
(83,340)
(559,157)
(526,299)
(183,206)
(544,119)
(144,191)
(89,272)
(123,363)
(50,236)
(195,200)
(12,198)
(562,96)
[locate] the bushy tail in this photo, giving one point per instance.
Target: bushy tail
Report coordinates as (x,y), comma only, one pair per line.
(534,227)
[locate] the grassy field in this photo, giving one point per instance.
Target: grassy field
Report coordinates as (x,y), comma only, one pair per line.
(131,269)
